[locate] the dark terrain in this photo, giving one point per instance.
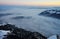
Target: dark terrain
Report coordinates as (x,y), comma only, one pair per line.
(19,33)
(51,13)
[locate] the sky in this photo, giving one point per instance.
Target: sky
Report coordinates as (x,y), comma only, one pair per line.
(31,2)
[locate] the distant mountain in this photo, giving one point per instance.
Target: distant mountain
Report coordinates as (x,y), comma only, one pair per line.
(51,13)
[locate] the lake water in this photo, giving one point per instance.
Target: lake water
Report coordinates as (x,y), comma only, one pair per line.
(30,20)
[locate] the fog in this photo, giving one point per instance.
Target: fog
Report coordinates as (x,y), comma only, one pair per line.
(30,20)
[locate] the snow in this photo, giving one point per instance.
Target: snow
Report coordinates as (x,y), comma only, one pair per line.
(53,37)
(2,33)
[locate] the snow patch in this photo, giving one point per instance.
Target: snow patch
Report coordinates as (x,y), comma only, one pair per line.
(2,33)
(53,37)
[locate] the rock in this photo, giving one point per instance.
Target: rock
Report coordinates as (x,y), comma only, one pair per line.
(6,27)
(19,33)
(58,36)
(51,13)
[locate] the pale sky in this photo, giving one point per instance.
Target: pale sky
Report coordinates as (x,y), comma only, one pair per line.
(31,2)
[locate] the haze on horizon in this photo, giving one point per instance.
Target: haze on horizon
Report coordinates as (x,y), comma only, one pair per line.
(31,2)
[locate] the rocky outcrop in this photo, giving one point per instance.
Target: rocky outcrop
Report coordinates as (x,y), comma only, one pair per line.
(51,13)
(19,33)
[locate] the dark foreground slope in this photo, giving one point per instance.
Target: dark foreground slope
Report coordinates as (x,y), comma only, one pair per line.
(19,33)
